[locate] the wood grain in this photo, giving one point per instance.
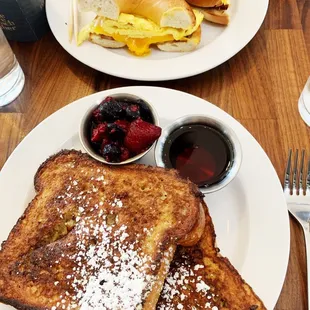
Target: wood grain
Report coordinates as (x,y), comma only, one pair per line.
(10,134)
(260,87)
(283,14)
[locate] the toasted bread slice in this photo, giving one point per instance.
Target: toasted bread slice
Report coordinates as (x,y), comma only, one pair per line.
(96,236)
(200,278)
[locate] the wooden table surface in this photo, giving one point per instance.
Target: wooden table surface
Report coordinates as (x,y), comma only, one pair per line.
(260,87)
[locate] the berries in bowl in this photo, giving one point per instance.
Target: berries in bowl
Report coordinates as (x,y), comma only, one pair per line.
(120,130)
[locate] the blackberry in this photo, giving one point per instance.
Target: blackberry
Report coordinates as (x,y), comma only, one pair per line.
(132,112)
(115,132)
(145,111)
(111,153)
(111,110)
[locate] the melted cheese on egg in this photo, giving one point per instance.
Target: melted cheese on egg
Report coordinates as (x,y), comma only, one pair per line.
(140,46)
(137,32)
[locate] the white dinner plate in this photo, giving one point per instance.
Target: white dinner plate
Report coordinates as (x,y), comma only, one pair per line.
(250,215)
(304,103)
(218,44)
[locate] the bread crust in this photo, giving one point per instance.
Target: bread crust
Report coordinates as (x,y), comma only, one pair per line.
(156,199)
(195,235)
(205,3)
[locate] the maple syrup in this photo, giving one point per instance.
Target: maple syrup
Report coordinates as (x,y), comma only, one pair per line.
(199,152)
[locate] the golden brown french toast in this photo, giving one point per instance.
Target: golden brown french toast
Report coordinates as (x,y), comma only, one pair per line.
(200,278)
(96,236)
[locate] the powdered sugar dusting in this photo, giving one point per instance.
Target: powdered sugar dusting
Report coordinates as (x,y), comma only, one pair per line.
(114,275)
(185,287)
(109,271)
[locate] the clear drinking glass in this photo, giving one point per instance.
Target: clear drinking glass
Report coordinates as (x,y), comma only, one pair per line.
(12,78)
(304,103)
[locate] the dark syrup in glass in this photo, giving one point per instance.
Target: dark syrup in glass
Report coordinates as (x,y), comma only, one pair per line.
(199,152)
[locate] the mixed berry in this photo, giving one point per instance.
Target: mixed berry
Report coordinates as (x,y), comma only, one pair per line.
(122,128)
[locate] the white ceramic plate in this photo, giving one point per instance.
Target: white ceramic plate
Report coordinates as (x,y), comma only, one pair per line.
(250,215)
(218,45)
(304,103)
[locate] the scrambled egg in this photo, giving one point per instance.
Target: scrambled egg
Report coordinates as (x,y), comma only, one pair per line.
(137,32)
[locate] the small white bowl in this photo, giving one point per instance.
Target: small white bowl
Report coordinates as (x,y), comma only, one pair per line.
(84,130)
(226,131)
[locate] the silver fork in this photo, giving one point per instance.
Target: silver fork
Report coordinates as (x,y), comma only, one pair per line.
(297,193)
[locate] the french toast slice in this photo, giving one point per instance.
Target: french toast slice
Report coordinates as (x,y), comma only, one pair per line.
(200,278)
(97,236)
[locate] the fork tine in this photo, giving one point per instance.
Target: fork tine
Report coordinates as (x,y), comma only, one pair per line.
(295,174)
(287,177)
(301,173)
(308,179)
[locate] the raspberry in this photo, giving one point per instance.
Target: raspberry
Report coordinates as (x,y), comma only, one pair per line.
(99,132)
(125,154)
(108,99)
